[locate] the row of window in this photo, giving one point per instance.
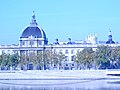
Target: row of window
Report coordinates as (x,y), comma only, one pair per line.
(9,51)
(65,65)
(31,43)
(66,51)
(69,51)
(68,65)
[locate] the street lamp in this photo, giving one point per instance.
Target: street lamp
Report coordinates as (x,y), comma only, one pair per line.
(51,54)
(44,63)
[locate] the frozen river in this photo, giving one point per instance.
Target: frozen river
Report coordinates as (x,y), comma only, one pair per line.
(101,84)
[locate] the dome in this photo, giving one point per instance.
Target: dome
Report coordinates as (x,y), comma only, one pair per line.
(33,31)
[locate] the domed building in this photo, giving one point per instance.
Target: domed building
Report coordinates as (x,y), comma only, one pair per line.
(33,41)
(110,41)
(33,35)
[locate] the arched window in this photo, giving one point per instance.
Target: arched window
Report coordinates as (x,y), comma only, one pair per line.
(72,58)
(66,51)
(39,42)
(72,51)
(3,51)
(31,43)
(66,58)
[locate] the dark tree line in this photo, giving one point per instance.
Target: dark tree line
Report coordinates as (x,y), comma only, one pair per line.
(104,57)
(40,60)
(7,61)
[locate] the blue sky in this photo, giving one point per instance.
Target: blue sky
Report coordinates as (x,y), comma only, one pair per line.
(60,18)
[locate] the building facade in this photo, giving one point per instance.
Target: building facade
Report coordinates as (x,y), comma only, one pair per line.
(34,39)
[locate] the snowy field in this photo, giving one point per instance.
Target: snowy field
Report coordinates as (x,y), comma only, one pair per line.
(53,77)
(50,77)
(53,74)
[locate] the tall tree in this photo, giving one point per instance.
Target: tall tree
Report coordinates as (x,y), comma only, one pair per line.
(23,61)
(32,60)
(3,60)
(103,55)
(40,62)
(14,60)
(115,58)
(85,57)
(58,59)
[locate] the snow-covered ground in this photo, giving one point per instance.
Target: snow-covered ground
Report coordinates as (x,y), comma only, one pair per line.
(53,77)
(50,77)
(53,74)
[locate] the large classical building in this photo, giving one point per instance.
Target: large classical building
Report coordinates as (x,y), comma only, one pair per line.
(34,39)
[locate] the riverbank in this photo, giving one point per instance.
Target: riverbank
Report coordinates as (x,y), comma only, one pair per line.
(59,74)
(49,77)
(53,74)
(54,77)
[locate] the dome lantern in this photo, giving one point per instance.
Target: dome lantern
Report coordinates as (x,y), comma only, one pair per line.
(33,21)
(110,41)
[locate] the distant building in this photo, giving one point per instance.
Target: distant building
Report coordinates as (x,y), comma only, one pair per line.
(110,41)
(34,39)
